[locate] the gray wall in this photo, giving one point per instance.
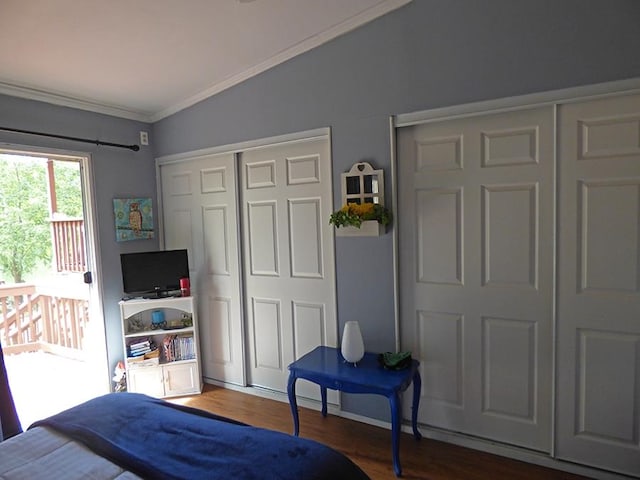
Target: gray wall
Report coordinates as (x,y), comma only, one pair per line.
(430,53)
(117,173)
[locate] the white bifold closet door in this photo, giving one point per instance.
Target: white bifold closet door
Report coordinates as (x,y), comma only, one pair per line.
(598,356)
(261,256)
(289,279)
(476,233)
(200,213)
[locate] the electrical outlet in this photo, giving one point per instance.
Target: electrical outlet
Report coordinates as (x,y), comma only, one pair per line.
(144,138)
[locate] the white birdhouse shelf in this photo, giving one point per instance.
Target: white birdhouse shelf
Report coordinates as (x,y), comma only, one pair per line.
(363,184)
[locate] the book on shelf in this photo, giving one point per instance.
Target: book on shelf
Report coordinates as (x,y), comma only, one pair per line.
(140,347)
(178,347)
(137,353)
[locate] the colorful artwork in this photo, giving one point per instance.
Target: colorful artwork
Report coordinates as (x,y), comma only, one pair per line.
(134,218)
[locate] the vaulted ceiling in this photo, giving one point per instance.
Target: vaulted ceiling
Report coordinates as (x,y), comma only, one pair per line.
(147,59)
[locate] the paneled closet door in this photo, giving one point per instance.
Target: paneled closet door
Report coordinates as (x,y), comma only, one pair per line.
(476,272)
(199,199)
(599,284)
(288,258)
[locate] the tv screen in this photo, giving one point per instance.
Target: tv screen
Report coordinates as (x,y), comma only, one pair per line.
(155,273)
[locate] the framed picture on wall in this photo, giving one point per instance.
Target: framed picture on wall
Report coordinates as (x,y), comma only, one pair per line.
(134,218)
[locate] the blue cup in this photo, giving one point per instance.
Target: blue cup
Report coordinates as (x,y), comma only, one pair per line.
(157,317)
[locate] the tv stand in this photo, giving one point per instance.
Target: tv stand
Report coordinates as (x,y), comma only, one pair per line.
(173,367)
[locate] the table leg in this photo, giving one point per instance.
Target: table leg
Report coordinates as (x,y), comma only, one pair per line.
(291,392)
(394,400)
(323,395)
(417,385)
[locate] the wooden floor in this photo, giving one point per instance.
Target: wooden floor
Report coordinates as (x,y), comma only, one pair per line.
(369,446)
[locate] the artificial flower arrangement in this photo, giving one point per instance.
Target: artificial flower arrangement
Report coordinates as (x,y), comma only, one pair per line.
(353,214)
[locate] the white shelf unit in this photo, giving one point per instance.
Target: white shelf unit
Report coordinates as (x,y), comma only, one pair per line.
(162,377)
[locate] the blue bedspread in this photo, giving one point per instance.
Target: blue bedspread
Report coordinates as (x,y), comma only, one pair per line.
(156,439)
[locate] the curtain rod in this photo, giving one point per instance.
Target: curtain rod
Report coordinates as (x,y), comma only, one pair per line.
(135,148)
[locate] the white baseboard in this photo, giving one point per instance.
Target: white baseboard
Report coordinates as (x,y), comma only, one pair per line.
(515,453)
(459,439)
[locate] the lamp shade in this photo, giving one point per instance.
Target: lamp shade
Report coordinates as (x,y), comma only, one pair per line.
(352,344)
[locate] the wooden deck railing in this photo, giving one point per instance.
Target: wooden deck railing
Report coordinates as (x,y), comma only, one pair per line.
(68,244)
(32,318)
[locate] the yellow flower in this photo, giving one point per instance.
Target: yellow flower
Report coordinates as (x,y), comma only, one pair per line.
(354,214)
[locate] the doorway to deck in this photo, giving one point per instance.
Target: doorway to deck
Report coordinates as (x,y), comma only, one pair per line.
(51,325)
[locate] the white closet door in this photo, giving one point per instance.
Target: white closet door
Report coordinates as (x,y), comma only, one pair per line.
(288,258)
(599,284)
(199,200)
(476,237)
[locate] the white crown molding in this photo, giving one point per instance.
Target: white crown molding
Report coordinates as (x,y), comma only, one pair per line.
(380,9)
(66,101)
(352,23)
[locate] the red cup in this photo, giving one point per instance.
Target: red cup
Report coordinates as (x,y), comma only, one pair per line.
(185,287)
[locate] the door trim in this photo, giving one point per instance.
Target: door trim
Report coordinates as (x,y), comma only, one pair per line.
(519,102)
(93,253)
(246,145)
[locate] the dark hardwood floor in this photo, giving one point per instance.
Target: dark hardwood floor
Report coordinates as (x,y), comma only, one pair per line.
(369,446)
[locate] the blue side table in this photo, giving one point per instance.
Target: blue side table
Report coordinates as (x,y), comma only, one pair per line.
(326,367)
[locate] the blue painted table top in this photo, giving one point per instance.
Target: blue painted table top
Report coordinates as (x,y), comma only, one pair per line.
(328,362)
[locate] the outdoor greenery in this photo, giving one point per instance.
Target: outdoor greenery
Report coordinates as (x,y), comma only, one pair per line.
(25,234)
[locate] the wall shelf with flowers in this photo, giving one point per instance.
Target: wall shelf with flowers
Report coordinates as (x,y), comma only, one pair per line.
(363,212)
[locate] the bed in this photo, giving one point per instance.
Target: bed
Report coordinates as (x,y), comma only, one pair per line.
(127,436)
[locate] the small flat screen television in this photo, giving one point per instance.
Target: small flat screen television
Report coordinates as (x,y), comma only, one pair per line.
(153,274)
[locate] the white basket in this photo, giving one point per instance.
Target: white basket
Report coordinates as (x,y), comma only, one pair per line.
(141,362)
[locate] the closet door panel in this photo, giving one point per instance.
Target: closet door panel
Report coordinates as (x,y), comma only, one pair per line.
(598,394)
(289,278)
(200,213)
(476,271)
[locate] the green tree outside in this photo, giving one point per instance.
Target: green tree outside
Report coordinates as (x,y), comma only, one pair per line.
(25,232)
(68,188)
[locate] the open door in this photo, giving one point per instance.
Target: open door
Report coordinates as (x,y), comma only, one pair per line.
(51,324)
